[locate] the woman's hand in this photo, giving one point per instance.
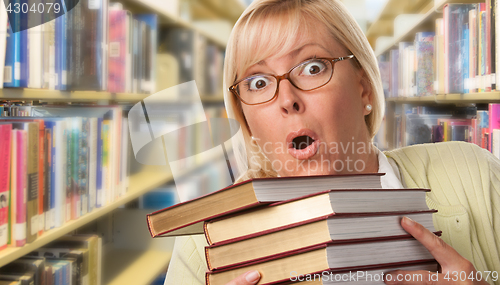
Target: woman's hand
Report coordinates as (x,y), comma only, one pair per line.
(445,255)
(249,278)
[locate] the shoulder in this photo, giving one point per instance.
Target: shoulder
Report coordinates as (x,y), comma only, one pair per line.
(449,154)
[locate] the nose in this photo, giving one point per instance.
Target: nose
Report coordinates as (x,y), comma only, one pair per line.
(288,98)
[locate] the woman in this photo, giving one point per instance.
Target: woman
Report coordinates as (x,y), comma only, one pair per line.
(304,84)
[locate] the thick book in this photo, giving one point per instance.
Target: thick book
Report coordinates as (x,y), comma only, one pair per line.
(23,279)
(5,155)
(329,229)
(328,257)
(31,178)
(188,217)
(332,202)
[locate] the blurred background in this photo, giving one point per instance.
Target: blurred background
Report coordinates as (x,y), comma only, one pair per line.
(155,45)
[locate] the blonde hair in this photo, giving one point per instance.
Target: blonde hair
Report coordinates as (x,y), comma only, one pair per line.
(281,21)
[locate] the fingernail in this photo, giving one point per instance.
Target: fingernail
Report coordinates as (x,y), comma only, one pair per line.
(408,221)
(252,276)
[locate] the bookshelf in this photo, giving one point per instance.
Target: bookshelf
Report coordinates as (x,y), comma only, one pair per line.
(428,14)
(130,265)
(382,31)
(81,96)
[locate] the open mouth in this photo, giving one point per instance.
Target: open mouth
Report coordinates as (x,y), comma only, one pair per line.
(302,144)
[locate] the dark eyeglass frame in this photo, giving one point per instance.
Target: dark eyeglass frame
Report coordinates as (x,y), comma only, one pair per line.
(333,60)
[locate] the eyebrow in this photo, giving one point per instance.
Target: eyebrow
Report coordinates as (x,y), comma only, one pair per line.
(295,52)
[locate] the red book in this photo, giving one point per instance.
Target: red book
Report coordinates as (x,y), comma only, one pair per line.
(494,121)
(5,148)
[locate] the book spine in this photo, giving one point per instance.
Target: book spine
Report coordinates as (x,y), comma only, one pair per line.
(60,175)
(32,182)
(106,179)
(75,146)
(92,163)
(493,43)
(47,195)
(5,154)
(87,57)
(69,170)
(465,58)
(35,49)
(117,51)
(20,234)
(12,70)
(99,166)
(41,176)
(83,166)
(24,51)
(61,52)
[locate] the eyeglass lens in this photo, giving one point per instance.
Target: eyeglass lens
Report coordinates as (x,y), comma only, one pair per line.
(308,75)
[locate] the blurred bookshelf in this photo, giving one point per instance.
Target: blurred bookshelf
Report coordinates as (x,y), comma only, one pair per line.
(209,20)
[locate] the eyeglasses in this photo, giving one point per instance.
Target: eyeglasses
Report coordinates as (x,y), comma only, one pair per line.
(306,76)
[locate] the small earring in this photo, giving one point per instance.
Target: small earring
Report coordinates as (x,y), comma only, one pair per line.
(368,107)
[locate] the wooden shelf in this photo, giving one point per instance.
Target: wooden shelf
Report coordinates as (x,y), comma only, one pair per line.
(149,178)
(425,23)
(133,266)
(384,23)
(168,18)
(140,183)
(484,97)
(81,96)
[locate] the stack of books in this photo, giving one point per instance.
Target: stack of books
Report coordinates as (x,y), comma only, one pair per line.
(300,227)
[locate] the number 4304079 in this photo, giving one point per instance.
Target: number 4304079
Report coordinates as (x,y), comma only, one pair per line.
(35,8)
(478,275)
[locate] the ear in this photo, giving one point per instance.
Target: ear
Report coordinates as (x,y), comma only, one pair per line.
(366,92)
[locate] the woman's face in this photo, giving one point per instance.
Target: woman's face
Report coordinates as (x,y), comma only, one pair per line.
(327,125)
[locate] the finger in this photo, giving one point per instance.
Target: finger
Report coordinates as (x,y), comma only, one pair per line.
(248,278)
(402,277)
(444,254)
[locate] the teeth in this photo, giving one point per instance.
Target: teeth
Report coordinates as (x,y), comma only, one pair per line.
(302,142)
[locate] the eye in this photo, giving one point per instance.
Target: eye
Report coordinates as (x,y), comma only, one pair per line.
(257,83)
(313,67)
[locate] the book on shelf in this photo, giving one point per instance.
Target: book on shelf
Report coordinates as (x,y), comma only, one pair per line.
(321,204)
(424,54)
(35,266)
(22,279)
(79,258)
(44,191)
(337,228)
(5,149)
(329,257)
(188,217)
